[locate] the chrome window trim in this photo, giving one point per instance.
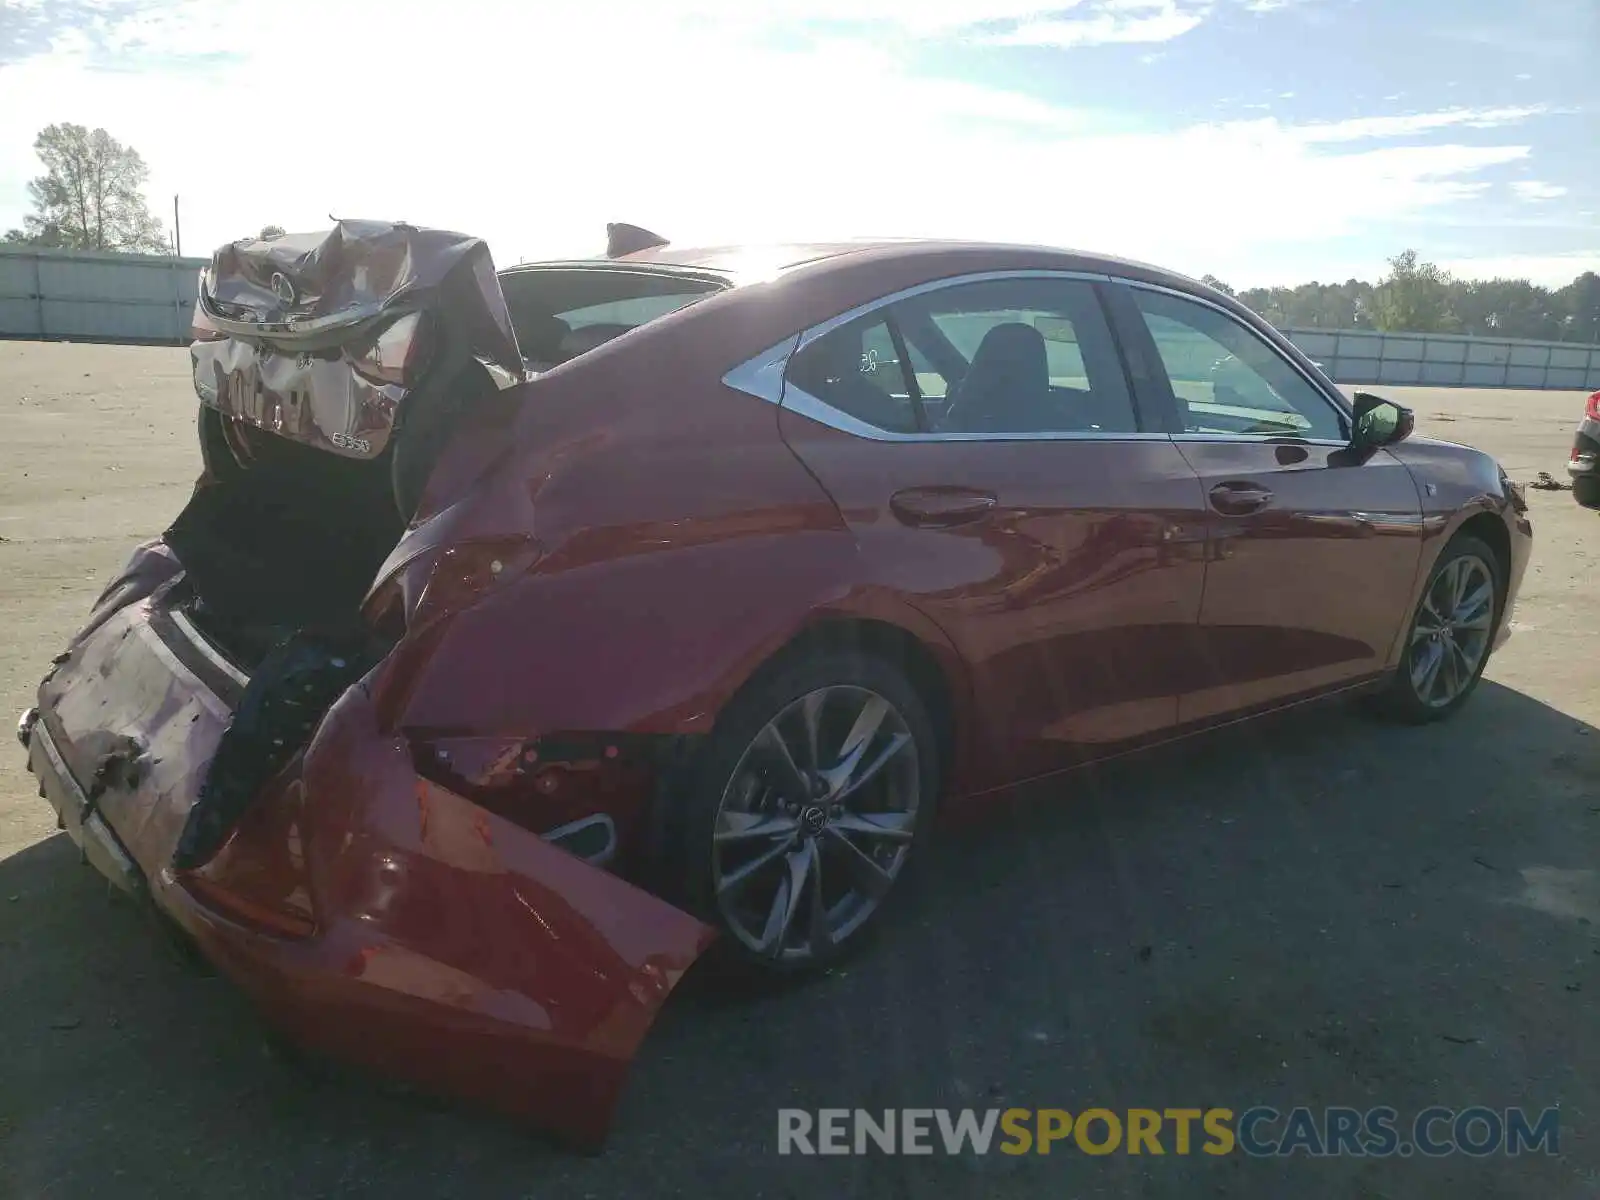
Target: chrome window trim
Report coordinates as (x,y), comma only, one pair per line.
(936,285)
(1284,439)
(762,376)
(1335,398)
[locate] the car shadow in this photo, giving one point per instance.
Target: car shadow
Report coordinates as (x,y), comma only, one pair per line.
(1316,909)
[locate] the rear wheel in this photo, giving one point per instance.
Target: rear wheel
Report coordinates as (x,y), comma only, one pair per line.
(807,804)
(1451,634)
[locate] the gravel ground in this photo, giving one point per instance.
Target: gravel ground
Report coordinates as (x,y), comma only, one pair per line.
(1320,910)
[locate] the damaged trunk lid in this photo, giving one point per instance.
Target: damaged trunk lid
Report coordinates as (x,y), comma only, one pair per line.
(332,370)
(324,338)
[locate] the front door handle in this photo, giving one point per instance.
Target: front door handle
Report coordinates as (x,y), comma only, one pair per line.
(1238,498)
(941,508)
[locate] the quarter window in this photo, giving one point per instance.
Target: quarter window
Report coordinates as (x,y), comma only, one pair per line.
(1226,379)
(856,370)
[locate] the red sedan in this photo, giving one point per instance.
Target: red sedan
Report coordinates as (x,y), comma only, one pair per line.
(527,632)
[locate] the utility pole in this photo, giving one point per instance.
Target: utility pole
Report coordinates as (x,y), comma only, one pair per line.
(177,229)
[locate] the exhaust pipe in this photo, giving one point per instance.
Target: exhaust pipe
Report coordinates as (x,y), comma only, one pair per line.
(25,725)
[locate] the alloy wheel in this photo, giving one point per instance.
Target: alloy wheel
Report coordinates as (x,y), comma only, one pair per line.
(815,823)
(1451,636)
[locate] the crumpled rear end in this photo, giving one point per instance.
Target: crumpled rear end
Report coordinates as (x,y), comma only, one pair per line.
(453,948)
(375,916)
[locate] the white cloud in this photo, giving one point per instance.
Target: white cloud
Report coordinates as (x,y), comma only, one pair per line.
(708,130)
(1112,22)
(175,27)
(1537,189)
(1409,125)
(1550,270)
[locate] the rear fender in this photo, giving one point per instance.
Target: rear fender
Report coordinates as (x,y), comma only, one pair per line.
(639,643)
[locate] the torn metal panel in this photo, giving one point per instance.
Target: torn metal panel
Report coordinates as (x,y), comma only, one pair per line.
(322,337)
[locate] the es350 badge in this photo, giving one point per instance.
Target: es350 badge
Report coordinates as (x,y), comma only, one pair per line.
(346,442)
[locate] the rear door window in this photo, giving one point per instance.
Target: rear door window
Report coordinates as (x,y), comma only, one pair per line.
(1028,356)
(1010,356)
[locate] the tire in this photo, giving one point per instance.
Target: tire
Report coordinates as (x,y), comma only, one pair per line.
(748,831)
(1586,490)
(1460,644)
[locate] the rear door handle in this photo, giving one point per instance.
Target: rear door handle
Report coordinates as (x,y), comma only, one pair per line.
(1239,497)
(941,508)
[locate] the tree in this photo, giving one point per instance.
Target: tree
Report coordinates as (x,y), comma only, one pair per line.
(1579,307)
(1513,308)
(1211,281)
(268,232)
(89,197)
(1414,296)
(1418,297)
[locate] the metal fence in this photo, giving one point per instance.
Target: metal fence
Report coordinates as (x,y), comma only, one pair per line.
(93,296)
(1449,360)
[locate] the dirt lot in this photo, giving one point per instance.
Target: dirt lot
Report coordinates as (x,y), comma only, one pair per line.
(1323,911)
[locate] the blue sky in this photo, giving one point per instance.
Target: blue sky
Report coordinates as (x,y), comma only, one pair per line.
(1267,141)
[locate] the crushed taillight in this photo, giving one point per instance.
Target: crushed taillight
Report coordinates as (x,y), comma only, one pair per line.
(259,877)
(468,570)
(1592,409)
(200,327)
(398,353)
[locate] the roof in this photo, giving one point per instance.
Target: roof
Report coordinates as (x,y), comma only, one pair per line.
(758,261)
(731,260)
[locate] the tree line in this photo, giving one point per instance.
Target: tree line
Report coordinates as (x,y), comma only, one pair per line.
(1420,297)
(90,197)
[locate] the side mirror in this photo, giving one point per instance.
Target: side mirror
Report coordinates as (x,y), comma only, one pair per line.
(1380,422)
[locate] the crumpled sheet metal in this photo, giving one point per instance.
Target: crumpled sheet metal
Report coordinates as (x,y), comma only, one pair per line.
(448,946)
(311,303)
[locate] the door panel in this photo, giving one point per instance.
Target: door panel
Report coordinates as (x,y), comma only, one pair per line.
(1307,589)
(982,445)
(1072,597)
(1313,547)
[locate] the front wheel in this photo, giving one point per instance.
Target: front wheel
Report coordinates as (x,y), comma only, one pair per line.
(808,801)
(1451,634)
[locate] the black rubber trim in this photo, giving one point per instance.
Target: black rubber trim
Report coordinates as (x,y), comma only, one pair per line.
(227,688)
